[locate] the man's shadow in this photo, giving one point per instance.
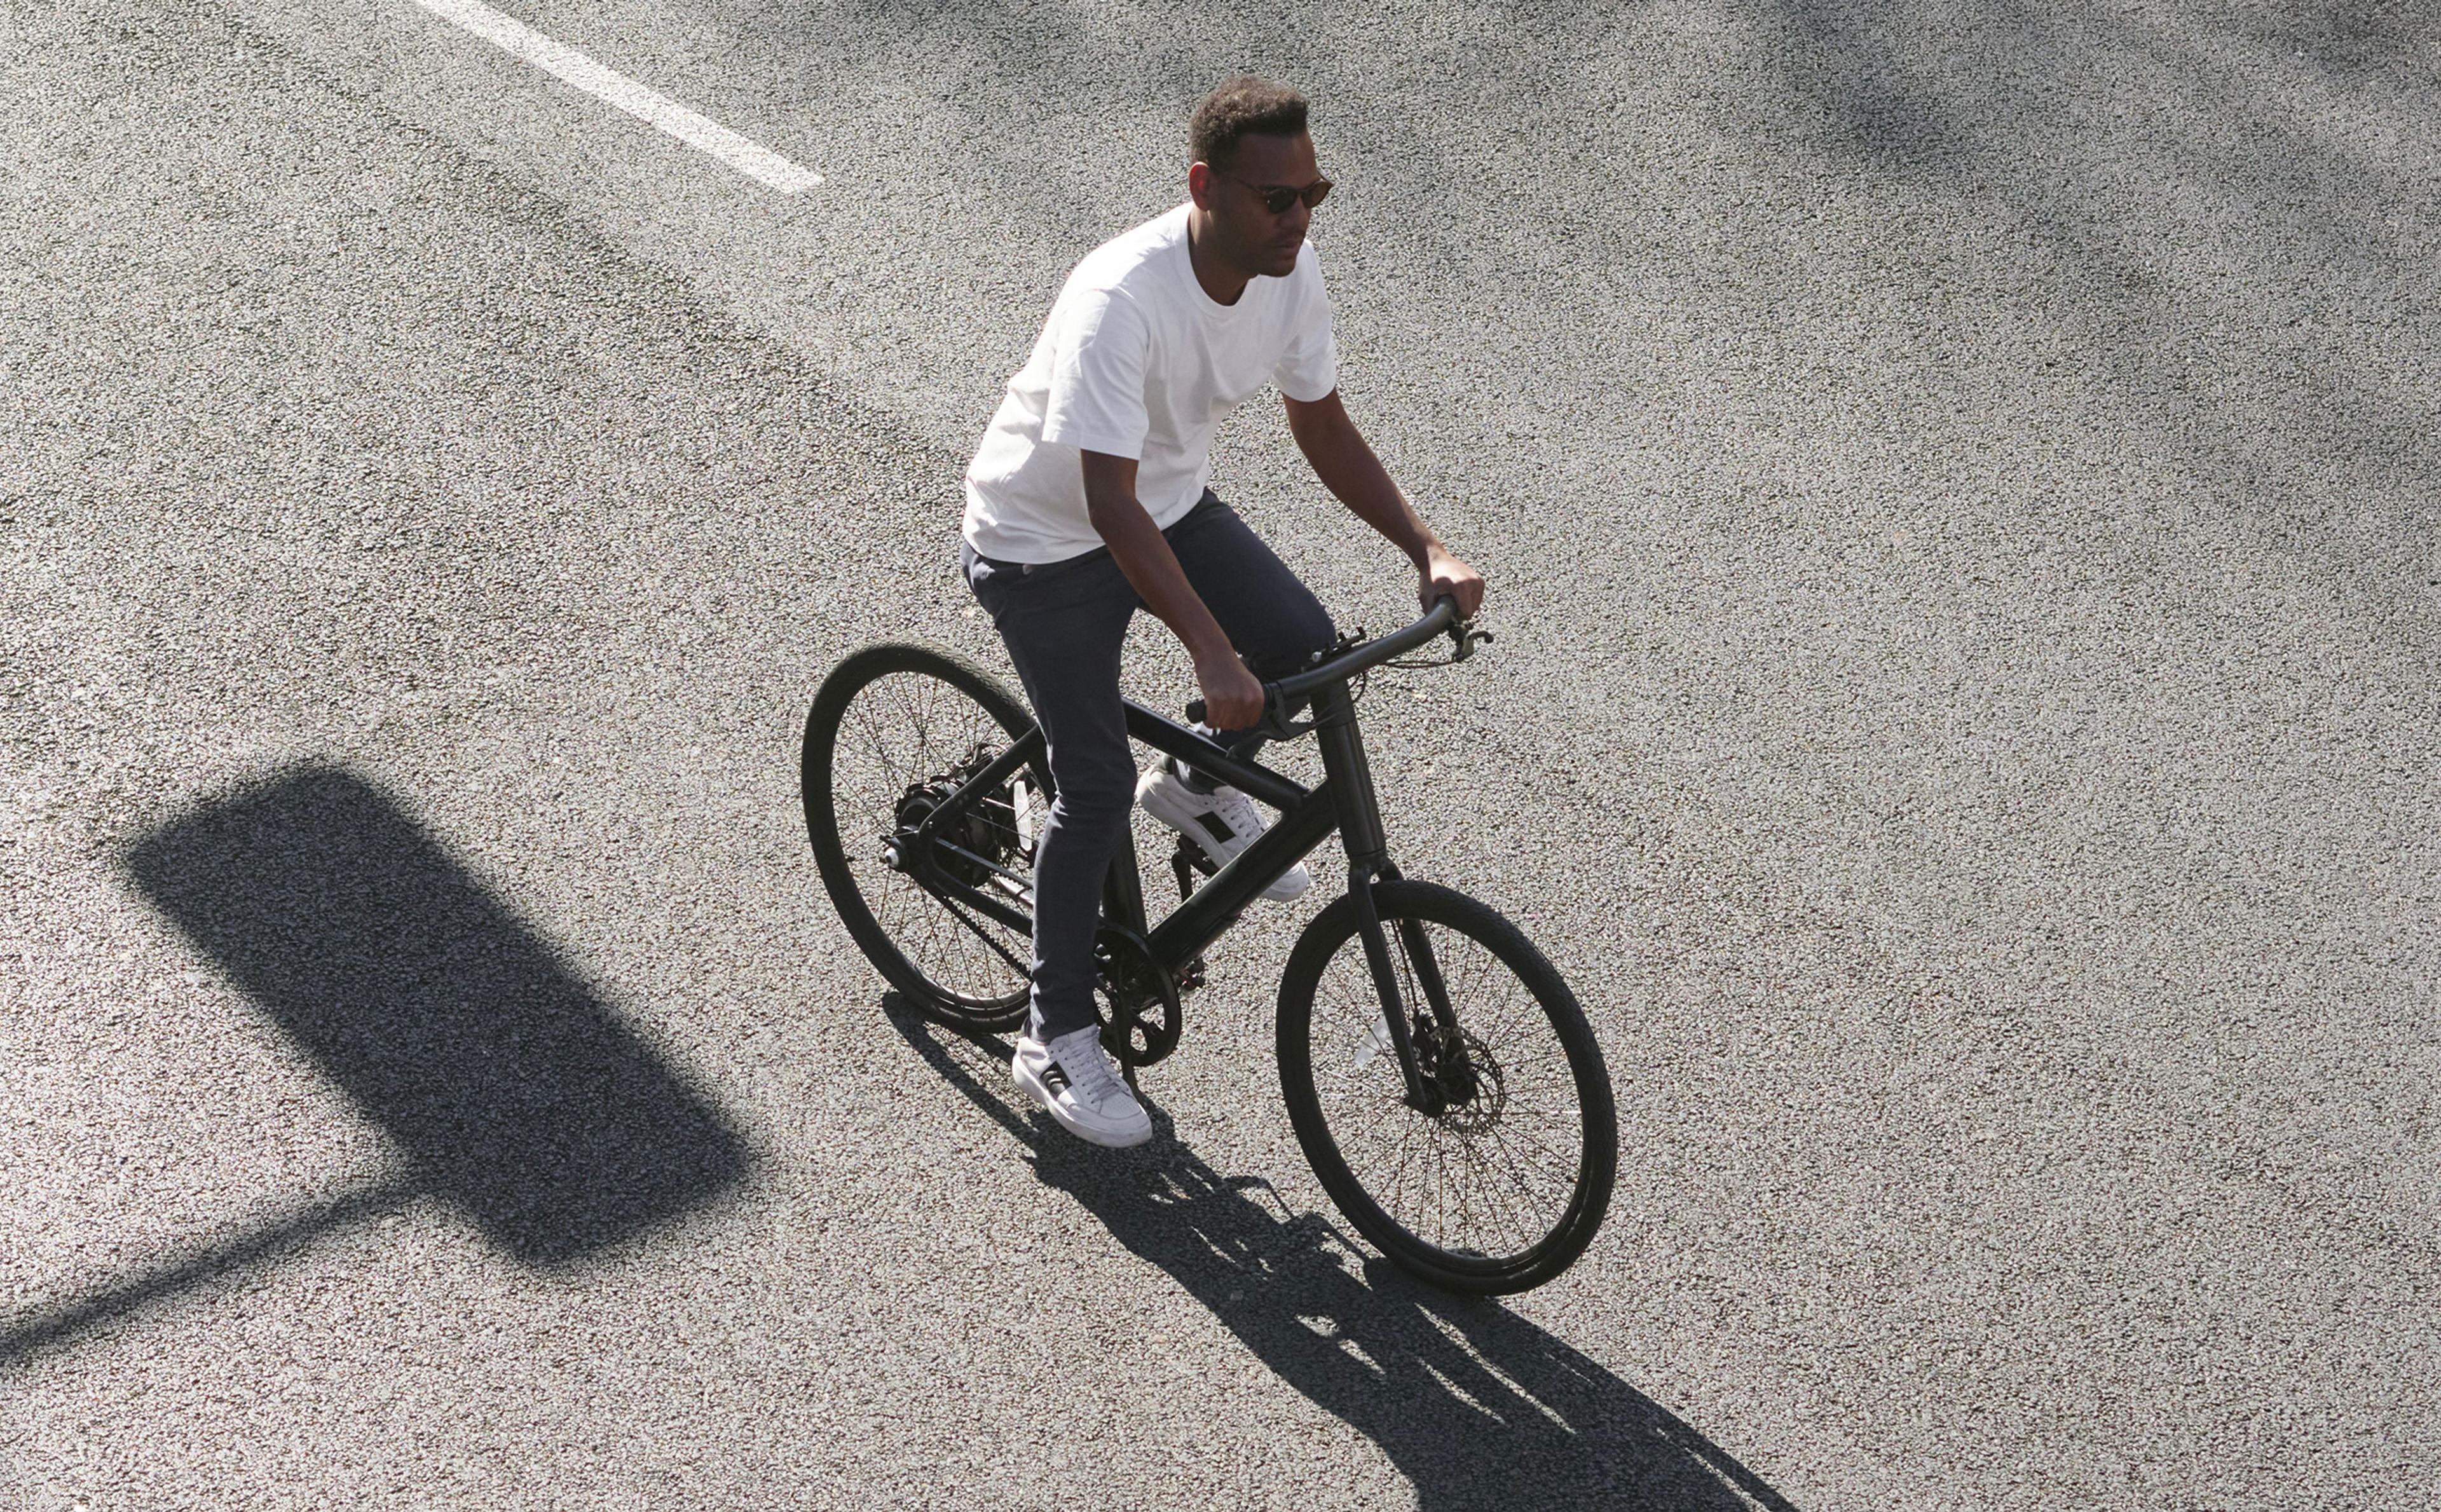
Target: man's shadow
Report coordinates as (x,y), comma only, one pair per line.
(508,1089)
(1478,1406)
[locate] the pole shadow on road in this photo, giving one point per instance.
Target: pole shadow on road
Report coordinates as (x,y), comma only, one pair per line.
(1478,1406)
(510,1090)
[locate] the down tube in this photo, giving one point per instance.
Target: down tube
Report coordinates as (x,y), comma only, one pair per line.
(1215,905)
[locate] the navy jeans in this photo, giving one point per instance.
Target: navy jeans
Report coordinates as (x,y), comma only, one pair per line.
(1063,624)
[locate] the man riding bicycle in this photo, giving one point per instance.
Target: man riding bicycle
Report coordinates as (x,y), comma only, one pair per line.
(1087,501)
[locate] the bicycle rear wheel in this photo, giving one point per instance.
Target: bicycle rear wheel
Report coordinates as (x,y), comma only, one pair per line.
(893,731)
(1502,1185)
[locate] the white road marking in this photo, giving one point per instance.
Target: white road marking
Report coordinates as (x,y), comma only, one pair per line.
(751,158)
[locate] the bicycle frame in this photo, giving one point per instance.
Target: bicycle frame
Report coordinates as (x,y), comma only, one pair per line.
(1307,818)
(1344,802)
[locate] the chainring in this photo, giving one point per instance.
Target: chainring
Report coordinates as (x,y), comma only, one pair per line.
(1139,998)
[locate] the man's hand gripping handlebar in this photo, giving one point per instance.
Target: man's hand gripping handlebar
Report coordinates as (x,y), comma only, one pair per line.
(1281,696)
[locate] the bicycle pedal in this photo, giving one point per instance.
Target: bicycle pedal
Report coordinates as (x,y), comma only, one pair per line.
(1186,863)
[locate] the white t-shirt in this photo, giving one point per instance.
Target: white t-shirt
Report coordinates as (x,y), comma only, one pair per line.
(1137,361)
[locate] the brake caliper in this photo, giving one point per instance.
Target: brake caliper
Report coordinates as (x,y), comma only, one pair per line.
(1459,1073)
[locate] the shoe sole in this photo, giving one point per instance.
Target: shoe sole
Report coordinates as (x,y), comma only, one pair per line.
(1034,1088)
(1146,794)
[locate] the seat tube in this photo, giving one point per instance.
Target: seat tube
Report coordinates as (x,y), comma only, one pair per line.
(1123,888)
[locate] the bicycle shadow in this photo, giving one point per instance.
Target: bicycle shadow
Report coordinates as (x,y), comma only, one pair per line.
(1478,1406)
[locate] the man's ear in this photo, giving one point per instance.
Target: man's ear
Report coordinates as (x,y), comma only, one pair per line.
(1199,184)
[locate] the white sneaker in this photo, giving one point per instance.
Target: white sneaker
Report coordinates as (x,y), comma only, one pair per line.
(1072,1078)
(1223,822)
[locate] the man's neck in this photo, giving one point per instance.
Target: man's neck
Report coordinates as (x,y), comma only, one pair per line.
(1222,282)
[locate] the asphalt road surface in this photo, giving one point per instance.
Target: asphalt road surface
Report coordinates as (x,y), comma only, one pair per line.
(1959,484)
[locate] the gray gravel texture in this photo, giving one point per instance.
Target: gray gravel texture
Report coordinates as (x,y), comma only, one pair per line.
(1959,483)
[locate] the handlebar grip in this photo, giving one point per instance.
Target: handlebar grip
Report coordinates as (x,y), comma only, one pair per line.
(1273,721)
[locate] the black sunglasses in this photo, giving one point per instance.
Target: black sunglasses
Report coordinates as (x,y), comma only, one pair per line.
(1278,197)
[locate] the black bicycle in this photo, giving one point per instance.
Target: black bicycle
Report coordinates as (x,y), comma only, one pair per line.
(1438,1072)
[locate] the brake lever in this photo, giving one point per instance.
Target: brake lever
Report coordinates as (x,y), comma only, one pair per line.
(1276,723)
(1464,638)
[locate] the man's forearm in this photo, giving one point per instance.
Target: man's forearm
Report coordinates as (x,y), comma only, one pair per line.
(1232,698)
(1344,460)
(1144,557)
(1345,464)
(1151,568)
(1357,478)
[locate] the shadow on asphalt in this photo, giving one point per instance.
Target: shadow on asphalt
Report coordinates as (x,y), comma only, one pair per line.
(513,1093)
(1478,1406)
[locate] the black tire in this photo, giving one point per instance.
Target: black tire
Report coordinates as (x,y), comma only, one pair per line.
(1541,1096)
(887,719)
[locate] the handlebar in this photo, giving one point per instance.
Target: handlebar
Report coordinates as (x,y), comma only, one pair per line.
(1281,696)
(1441,618)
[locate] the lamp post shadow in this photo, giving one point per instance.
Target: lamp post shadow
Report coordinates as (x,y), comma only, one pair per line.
(511,1092)
(1478,1406)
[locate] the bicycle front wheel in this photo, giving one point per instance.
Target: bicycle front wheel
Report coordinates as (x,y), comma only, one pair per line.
(1498,1180)
(894,731)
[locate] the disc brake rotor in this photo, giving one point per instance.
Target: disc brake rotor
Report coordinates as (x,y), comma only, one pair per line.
(1463,1072)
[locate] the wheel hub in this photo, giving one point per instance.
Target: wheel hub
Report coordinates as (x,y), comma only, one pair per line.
(989,829)
(1460,1073)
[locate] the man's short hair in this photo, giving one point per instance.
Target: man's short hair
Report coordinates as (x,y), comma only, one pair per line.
(1239,107)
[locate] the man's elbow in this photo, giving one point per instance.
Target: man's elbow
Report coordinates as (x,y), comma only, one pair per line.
(1320,426)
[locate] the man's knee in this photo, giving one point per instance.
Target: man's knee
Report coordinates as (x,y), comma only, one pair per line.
(1094,798)
(1301,628)
(1312,629)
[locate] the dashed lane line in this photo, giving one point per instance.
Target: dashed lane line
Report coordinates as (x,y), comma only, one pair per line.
(751,158)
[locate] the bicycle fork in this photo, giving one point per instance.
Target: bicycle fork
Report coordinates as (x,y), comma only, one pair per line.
(1369,862)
